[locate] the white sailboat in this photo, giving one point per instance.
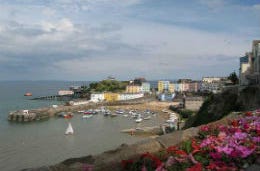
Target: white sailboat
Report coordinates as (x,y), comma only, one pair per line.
(69,130)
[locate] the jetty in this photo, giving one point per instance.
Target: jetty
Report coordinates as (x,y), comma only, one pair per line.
(46,112)
(27,115)
(54,97)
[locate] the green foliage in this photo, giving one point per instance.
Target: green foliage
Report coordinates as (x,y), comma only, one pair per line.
(233,78)
(184,113)
(186,146)
(108,85)
(217,106)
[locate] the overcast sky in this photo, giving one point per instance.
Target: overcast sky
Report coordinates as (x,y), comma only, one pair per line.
(93,39)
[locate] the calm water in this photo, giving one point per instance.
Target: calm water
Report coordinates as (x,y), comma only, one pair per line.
(43,142)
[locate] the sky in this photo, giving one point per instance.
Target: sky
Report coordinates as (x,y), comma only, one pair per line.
(94,39)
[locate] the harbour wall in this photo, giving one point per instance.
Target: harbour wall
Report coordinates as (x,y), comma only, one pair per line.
(46,112)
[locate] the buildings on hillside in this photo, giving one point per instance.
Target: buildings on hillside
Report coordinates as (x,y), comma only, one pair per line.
(182,85)
(138,85)
(249,71)
(111,97)
(165,86)
(135,89)
(213,84)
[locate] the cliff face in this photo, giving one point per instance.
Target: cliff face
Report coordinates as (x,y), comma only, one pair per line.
(217,106)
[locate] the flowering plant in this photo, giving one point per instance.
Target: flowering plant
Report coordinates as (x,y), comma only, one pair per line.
(233,146)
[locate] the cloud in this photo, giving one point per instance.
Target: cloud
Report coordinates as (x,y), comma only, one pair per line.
(64,25)
(214,4)
(48,12)
(90,39)
(256,7)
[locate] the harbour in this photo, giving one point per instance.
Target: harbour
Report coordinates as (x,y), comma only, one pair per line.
(42,142)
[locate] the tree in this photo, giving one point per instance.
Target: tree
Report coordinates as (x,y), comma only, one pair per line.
(233,78)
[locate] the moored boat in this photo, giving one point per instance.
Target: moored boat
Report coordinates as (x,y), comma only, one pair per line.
(138,120)
(68,115)
(147,117)
(28,94)
(87,116)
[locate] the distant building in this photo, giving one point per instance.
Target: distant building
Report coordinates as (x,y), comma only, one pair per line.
(127,96)
(212,79)
(111,78)
(253,77)
(245,69)
(163,86)
(97,97)
(213,84)
(110,97)
(145,87)
(139,81)
(65,92)
(193,86)
(177,87)
(185,87)
(133,89)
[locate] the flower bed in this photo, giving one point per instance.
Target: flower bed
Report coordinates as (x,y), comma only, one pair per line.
(234,146)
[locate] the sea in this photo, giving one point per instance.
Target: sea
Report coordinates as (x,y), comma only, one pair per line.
(41,143)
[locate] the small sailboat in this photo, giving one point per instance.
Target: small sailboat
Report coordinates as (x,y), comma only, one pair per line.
(69,130)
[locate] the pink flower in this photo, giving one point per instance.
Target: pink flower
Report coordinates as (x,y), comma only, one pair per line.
(215,156)
(224,149)
(170,161)
(222,135)
(204,128)
(193,159)
(161,168)
(207,141)
(144,168)
(256,139)
(240,135)
(245,151)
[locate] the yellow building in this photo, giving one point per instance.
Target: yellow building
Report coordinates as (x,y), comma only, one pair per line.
(163,86)
(133,89)
(110,97)
(171,88)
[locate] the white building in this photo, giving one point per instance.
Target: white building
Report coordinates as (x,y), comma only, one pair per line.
(130,96)
(211,79)
(245,69)
(65,92)
(97,97)
(145,87)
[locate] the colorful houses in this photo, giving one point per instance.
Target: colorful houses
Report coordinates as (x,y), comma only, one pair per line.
(183,85)
(133,89)
(145,87)
(165,86)
(97,97)
(110,97)
(138,85)
(213,84)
